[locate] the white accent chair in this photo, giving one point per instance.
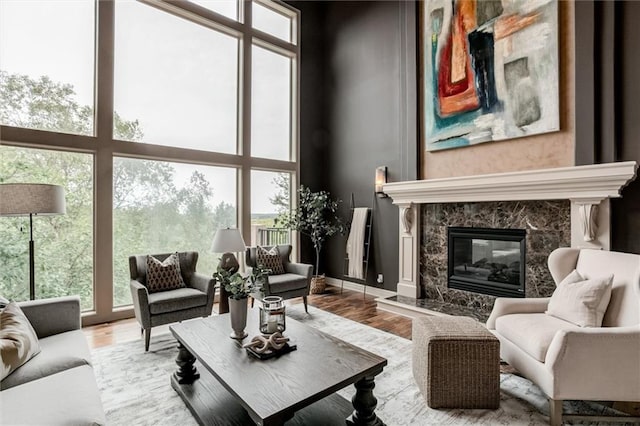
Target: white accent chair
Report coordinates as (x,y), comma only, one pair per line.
(569,362)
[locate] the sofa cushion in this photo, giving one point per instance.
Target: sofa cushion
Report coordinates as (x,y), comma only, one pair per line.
(164,275)
(270,259)
(70,397)
(176,300)
(58,352)
(286,282)
(18,340)
(581,302)
(532,333)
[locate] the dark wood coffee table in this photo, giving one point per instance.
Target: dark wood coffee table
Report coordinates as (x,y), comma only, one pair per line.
(229,387)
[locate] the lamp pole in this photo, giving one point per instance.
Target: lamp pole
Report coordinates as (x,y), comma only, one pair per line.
(32,267)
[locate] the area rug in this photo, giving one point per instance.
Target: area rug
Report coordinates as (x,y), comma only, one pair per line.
(135,386)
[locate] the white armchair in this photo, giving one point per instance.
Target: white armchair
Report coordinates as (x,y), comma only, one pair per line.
(569,362)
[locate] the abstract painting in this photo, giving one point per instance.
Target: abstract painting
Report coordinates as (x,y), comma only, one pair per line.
(490,70)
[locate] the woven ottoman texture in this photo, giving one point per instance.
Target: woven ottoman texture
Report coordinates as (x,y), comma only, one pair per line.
(456,362)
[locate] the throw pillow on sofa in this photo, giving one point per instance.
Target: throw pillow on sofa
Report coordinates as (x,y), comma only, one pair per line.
(164,275)
(18,339)
(270,259)
(581,301)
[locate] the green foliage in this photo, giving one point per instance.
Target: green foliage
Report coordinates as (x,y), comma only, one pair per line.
(239,286)
(316,217)
(150,215)
(281,199)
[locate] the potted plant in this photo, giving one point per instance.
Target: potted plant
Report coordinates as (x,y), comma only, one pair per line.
(316,217)
(239,288)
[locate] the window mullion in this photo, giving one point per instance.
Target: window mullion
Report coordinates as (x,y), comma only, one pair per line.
(103,162)
(245,188)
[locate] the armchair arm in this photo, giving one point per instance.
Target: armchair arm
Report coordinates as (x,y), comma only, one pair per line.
(140,298)
(299,269)
(511,305)
(206,285)
(53,316)
(599,359)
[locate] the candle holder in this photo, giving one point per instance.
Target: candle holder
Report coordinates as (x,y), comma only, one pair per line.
(272,315)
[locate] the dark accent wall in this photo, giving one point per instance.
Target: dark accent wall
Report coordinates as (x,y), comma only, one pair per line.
(358,111)
(608,102)
(314,137)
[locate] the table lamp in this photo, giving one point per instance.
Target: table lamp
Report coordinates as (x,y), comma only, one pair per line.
(30,199)
(228,241)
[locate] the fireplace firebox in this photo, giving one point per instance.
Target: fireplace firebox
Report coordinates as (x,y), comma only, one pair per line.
(487,261)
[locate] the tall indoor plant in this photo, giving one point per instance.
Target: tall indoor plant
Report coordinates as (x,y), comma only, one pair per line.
(316,217)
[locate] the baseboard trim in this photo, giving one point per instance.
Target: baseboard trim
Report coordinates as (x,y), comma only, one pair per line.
(349,285)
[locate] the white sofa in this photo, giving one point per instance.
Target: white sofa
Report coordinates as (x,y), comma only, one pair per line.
(569,362)
(57,386)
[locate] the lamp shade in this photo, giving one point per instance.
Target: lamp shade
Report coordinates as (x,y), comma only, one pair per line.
(21,199)
(227,240)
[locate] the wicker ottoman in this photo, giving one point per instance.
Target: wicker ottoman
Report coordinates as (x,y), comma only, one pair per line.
(456,362)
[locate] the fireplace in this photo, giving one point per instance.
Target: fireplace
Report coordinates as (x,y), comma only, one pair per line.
(487,261)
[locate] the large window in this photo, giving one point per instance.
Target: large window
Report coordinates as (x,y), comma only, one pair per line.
(177,78)
(271,105)
(270,197)
(272,20)
(46,65)
(161,207)
(159,118)
(228,8)
(63,244)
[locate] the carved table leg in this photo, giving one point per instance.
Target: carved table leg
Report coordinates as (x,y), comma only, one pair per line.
(364,404)
(186,373)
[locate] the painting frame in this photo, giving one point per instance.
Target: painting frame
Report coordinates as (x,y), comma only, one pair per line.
(508,85)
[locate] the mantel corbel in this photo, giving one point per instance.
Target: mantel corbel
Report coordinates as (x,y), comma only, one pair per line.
(407,217)
(587,212)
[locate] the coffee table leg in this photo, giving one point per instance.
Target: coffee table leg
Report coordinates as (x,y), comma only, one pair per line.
(186,373)
(364,404)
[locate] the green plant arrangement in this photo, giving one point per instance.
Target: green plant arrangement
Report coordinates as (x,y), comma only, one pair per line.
(316,217)
(238,286)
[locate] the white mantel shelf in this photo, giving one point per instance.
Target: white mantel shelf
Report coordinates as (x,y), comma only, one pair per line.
(591,183)
(587,187)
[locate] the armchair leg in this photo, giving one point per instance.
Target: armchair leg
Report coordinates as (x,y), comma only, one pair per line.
(555,412)
(147,338)
(304,300)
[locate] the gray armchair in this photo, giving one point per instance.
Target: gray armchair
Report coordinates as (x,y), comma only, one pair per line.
(296,280)
(153,309)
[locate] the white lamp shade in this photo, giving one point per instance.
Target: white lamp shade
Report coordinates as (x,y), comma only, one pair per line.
(227,240)
(21,199)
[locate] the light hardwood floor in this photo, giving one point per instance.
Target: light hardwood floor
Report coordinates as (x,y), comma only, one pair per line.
(349,304)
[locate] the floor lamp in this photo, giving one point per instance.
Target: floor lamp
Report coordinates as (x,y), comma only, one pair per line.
(29,199)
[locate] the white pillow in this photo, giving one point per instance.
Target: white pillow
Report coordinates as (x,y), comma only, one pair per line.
(581,301)
(18,339)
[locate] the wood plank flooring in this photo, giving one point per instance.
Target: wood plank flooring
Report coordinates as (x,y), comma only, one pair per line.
(349,304)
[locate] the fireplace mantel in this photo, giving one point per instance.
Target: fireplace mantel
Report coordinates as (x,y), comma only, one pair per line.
(587,183)
(587,187)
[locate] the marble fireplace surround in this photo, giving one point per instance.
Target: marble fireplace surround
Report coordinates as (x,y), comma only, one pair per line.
(588,188)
